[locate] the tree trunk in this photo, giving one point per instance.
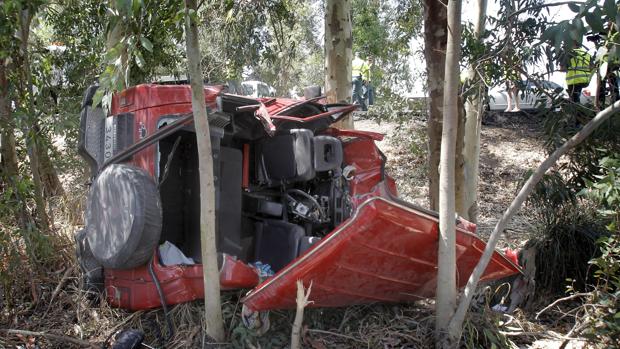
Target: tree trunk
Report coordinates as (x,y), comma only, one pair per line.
(211,275)
(446,273)
(459,161)
(435,39)
(9,165)
(49,177)
(456,323)
(474,111)
(31,135)
(338,55)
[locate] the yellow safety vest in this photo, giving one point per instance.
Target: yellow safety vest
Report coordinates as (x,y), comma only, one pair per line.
(578,70)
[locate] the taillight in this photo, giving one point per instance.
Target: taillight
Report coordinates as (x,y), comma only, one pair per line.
(586,92)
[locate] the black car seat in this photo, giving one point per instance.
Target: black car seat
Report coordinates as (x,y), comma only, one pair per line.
(286,158)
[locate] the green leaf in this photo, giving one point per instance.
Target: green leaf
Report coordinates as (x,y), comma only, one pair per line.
(98,96)
(124,7)
(573,7)
(549,33)
(146,43)
(610,8)
(137,4)
(140,60)
(595,22)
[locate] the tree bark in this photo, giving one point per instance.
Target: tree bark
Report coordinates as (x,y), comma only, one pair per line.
(456,323)
(338,55)
(459,160)
(435,40)
(446,273)
(473,122)
(49,177)
(211,275)
(7,149)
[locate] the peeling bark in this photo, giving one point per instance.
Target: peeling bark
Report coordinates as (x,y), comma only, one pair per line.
(435,41)
(338,55)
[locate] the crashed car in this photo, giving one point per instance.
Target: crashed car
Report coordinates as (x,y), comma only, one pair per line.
(295,200)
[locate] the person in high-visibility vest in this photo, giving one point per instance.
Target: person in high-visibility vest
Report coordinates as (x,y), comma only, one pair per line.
(360,70)
(578,72)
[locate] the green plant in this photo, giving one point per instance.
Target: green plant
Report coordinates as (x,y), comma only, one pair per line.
(601,321)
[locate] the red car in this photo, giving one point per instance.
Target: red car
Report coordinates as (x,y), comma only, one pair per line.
(293,196)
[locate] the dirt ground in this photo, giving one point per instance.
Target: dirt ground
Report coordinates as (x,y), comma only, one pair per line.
(509,148)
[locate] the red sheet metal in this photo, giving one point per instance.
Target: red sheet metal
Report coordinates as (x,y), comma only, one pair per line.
(134,288)
(387,252)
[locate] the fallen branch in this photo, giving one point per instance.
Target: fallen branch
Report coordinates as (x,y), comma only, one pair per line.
(573,296)
(302,302)
(57,337)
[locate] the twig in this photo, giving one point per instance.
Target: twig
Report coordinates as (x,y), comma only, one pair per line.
(57,337)
(335,334)
(302,302)
(573,296)
(59,287)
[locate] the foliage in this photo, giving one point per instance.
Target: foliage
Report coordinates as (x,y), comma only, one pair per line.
(142,40)
(602,324)
(382,32)
(599,20)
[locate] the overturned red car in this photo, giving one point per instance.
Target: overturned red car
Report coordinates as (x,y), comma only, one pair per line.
(295,200)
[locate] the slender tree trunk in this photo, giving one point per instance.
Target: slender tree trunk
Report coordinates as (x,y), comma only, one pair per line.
(31,135)
(446,273)
(459,161)
(9,166)
(474,111)
(213,305)
(7,150)
(435,39)
(49,177)
(338,55)
(456,323)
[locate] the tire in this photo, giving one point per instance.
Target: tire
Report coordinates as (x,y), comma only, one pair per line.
(123,217)
(92,271)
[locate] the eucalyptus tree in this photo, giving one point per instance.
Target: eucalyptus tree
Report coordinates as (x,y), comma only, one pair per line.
(211,275)
(338,55)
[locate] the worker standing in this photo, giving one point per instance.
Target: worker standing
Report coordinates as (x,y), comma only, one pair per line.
(578,72)
(360,71)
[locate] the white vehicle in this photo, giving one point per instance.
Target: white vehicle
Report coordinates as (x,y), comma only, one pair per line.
(529,97)
(258,89)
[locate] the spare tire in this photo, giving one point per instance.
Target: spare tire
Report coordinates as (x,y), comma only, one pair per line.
(123,217)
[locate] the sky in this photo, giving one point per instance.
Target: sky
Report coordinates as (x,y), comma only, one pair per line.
(416,61)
